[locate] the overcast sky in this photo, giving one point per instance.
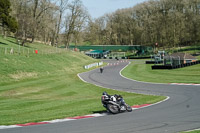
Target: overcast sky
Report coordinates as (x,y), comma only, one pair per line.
(98,8)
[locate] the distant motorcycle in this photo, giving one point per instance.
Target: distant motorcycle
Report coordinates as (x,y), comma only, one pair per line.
(101,69)
(114,104)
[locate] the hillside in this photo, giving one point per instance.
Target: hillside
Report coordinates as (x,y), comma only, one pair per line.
(21,66)
(45,86)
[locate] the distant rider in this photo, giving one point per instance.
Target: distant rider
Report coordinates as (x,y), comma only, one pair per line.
(101,69)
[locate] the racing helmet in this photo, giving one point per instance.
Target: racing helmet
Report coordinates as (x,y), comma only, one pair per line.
(104,93)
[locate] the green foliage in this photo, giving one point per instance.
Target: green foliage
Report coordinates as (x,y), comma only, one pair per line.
(5,7)
(12,24)
(5,18)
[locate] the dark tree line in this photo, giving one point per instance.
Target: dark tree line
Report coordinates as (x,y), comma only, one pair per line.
(7,22)
(169,23)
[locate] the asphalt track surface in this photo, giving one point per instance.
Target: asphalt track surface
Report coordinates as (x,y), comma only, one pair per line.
(181,112)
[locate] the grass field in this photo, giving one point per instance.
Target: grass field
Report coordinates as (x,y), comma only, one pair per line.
(140,71)
(45,87)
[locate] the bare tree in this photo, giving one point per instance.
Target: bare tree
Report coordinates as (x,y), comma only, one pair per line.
(34,18)
(168,23)
(74,20)
(62,8)
(39,9)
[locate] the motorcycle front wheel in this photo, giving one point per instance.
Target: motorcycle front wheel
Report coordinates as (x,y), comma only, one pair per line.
(128,108)
(113,108)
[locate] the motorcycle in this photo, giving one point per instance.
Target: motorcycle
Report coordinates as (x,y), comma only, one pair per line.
(114,104)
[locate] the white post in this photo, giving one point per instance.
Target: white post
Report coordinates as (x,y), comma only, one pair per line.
(179,60)
(11,51)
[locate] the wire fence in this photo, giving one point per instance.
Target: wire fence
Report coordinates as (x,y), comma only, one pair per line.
(29,51)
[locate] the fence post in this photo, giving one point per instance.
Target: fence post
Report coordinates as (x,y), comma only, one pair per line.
(11,51)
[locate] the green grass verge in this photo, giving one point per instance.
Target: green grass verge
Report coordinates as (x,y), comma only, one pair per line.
(195,131)
(140,71)
(46,87)
(187,49)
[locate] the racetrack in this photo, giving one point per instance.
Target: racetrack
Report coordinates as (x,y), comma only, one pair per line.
(181,112)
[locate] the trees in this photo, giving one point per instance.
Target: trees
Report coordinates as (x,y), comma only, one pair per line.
(75,20)
(39,10)
(43,20)
(36,19)
(166,22)
(7,22)
(22,13)
(61,9)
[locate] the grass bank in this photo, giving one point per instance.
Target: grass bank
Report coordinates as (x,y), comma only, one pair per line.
(187,49)
(140,71)
(195,131)
(46,86)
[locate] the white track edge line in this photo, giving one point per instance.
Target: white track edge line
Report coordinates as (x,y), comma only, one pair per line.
(156,83)
(167,97)
(10,126)
(95,115)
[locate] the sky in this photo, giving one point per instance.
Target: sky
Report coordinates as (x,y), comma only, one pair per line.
(98,8)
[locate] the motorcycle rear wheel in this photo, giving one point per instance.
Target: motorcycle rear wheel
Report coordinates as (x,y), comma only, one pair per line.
(113,108)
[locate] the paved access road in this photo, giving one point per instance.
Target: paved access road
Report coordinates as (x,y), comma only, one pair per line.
(180,112)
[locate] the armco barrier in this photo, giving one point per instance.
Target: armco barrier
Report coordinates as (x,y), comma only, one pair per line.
(93,65)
